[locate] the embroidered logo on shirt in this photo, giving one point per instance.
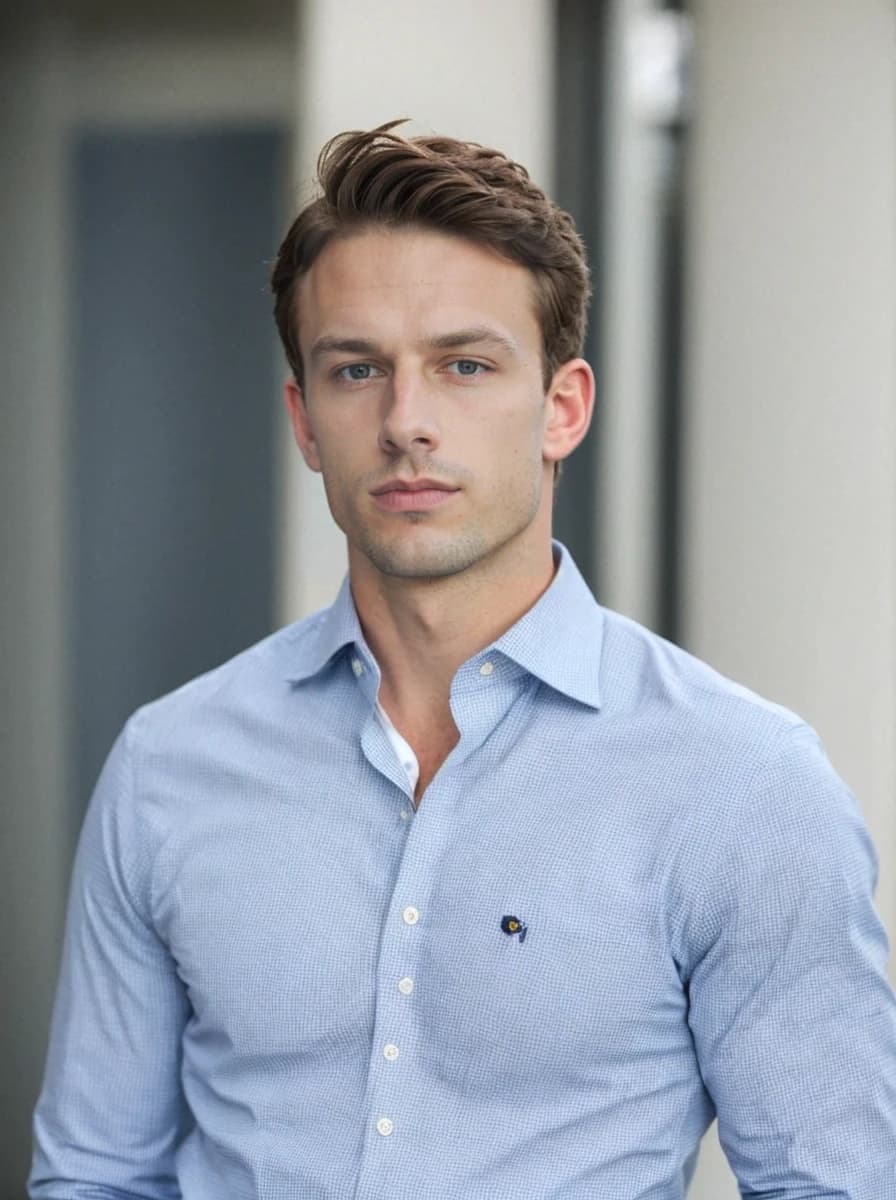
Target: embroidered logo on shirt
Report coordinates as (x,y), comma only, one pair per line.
(514,927)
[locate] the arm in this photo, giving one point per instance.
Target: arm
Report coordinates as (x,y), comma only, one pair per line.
(793,1019)
(111,1111)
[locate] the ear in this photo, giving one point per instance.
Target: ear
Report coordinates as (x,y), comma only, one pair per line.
(301,425)
(569,405)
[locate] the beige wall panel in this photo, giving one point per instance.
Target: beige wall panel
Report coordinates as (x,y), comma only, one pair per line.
(478,71)
(790,464)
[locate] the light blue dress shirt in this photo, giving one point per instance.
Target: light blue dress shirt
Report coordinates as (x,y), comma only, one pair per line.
(634,896)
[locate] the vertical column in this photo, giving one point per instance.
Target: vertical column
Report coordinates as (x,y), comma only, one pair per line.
(644,102)
(485,73)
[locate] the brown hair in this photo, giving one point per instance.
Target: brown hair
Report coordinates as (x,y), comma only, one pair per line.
(381,178)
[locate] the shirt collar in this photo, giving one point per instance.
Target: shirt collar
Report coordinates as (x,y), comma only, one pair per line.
(559,640)
(327,633)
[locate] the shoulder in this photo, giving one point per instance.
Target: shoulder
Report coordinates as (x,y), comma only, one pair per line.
(255,680)
(180,751)
(754,816)
(727,762)
(647,679)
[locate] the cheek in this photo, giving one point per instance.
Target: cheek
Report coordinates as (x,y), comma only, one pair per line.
(333,465)
(520,437)
(336,446)
(514,430)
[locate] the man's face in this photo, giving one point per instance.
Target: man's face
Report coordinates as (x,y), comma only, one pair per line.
(422,365)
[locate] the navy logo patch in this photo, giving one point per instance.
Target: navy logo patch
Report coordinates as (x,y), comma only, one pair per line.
(514,927)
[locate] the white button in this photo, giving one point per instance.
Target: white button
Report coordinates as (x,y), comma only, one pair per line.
(486,669)
(357,666)
(390,1052)
(405,814)
(410,916)
(384,1126)
(406,986)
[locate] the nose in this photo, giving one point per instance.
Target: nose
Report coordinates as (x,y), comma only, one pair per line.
(409,417)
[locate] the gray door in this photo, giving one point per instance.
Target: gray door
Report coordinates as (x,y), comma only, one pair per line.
(172,513)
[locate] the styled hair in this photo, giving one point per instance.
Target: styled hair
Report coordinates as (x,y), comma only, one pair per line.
(381,179)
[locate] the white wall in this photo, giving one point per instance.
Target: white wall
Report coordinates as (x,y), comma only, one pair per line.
(482,71)
(791,447)
(790,470)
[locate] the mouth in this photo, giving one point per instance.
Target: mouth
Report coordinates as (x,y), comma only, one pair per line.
(416,495)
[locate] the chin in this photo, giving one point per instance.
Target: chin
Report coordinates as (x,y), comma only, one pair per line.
(410,558)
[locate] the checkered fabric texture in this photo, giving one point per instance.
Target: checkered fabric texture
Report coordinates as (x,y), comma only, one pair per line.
(634,896)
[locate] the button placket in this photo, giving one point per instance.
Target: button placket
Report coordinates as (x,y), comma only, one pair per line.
(393,1033)
(393,1061)
(410,916)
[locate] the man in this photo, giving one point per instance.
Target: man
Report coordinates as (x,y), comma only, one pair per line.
(464,888)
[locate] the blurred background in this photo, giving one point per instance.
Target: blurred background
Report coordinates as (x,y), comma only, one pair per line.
(731,166)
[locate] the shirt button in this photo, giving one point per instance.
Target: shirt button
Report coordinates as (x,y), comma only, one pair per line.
(406,986)
(390,1052)
(486,668)
(410,916)
(384,1126)
(405,814)
(357,666)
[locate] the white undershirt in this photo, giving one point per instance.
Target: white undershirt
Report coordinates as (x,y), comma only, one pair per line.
(405,754)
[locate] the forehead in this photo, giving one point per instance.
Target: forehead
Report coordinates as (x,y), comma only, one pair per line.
(395,284)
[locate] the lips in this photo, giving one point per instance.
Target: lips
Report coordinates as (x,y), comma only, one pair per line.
(402,495)
(412,485)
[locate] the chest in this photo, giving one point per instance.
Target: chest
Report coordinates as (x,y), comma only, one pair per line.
(430,740)
(431,754)
(288,917)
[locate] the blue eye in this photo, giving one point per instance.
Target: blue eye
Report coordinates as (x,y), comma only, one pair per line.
(357,372)
(468,367)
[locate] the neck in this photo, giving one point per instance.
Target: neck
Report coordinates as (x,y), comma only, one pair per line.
(422,630)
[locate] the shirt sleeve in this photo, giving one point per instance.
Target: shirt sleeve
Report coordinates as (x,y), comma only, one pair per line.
(793,1020)
(111,1110)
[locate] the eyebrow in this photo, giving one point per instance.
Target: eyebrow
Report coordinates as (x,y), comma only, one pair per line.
(476,335)
(338,345)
